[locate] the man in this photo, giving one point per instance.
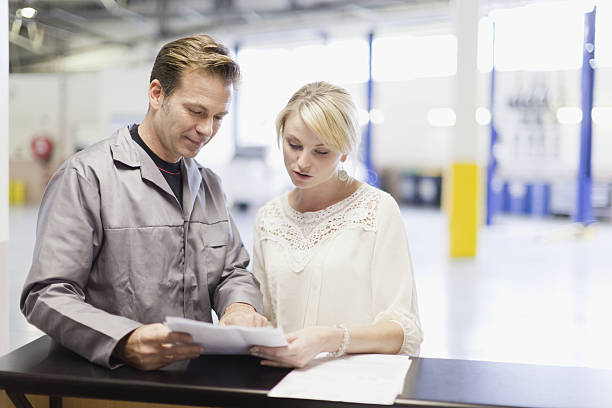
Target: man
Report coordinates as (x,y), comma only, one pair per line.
(133,229)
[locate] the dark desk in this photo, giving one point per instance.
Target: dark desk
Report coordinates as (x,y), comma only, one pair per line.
(42,367)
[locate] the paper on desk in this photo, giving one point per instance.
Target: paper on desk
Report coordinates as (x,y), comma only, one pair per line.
(365,378)
(227,339)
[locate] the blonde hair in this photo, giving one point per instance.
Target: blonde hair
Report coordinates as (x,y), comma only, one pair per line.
(198,51)
(329,111)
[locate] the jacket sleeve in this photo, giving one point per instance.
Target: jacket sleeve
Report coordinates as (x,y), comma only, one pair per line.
(393,286)
(69,236)
(237,284)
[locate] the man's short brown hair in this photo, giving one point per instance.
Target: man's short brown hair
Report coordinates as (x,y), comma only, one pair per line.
(197,52)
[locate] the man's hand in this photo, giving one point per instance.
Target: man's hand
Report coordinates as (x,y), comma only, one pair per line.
(242,314)
(153,346)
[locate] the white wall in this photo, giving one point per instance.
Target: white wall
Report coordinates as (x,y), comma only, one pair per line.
(4,154)
(75,109)
(602,133)
(34,108)
(96,103)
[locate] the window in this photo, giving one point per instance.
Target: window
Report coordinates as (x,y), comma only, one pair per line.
(272,75)
(403,56)
(539,37)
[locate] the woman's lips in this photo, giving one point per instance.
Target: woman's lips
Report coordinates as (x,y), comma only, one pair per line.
(301,175)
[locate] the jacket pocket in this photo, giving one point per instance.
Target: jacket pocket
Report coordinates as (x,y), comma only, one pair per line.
(215,235)
(211,251)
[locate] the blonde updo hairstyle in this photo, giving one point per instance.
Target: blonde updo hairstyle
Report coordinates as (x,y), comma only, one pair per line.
(329,111)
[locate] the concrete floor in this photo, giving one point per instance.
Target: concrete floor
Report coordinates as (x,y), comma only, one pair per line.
(539,291)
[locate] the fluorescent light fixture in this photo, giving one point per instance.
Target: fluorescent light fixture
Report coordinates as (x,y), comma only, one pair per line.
(363,116)
(602,115)
(28,12)
(483,116)
(377,116)
(441,117)
(569,115)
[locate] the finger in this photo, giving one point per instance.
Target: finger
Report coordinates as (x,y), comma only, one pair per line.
(279,354)
(171,358)
(272,363)
(179,337)
(228,320)
(261,321)
(268,350)
(273,354)
(181,356)
(151,334)
(192,349)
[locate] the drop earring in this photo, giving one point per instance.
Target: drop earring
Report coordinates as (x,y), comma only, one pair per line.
(342,174)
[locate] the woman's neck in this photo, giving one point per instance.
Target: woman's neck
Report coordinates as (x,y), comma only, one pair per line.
(322,196)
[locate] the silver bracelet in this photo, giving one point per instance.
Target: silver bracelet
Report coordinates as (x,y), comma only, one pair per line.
(345,342)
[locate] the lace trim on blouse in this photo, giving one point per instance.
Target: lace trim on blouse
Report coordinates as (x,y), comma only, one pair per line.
(302,232)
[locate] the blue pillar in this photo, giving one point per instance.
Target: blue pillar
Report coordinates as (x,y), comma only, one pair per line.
(492,166)
(584,208)
(372,177)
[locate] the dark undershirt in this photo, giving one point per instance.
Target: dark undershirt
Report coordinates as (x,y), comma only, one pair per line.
(170,171)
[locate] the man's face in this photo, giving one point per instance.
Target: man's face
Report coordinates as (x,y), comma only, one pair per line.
(191,115)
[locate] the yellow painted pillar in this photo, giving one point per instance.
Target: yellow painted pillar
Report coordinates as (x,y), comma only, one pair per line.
(464,212)
(464,201)
(17,192)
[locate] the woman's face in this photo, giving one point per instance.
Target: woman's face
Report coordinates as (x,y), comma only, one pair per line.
(309,162)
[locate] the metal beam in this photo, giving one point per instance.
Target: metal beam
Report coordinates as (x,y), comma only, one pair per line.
(372,177)
(584,207)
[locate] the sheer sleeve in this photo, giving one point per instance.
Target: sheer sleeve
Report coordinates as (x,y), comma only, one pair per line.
(393,287)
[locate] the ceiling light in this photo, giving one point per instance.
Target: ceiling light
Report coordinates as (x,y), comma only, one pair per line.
(364,116)
(569,115)
(27,12)
(377,116)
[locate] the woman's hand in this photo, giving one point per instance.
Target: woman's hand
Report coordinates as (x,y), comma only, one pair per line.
(304,345)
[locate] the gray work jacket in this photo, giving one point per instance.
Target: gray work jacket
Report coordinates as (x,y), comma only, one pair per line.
(115,250)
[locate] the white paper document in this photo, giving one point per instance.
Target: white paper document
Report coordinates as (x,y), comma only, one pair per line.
(365,378)
(227,339)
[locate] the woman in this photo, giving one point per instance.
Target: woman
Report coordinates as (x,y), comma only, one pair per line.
(331,255)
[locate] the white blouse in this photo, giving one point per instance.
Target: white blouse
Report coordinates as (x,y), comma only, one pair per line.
(348,263)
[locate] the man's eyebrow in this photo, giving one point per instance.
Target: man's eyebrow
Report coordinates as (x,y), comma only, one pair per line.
(197,105)
(204,108)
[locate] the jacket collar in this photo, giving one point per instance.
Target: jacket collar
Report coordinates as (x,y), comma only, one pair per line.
(192,179)
(126,151)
